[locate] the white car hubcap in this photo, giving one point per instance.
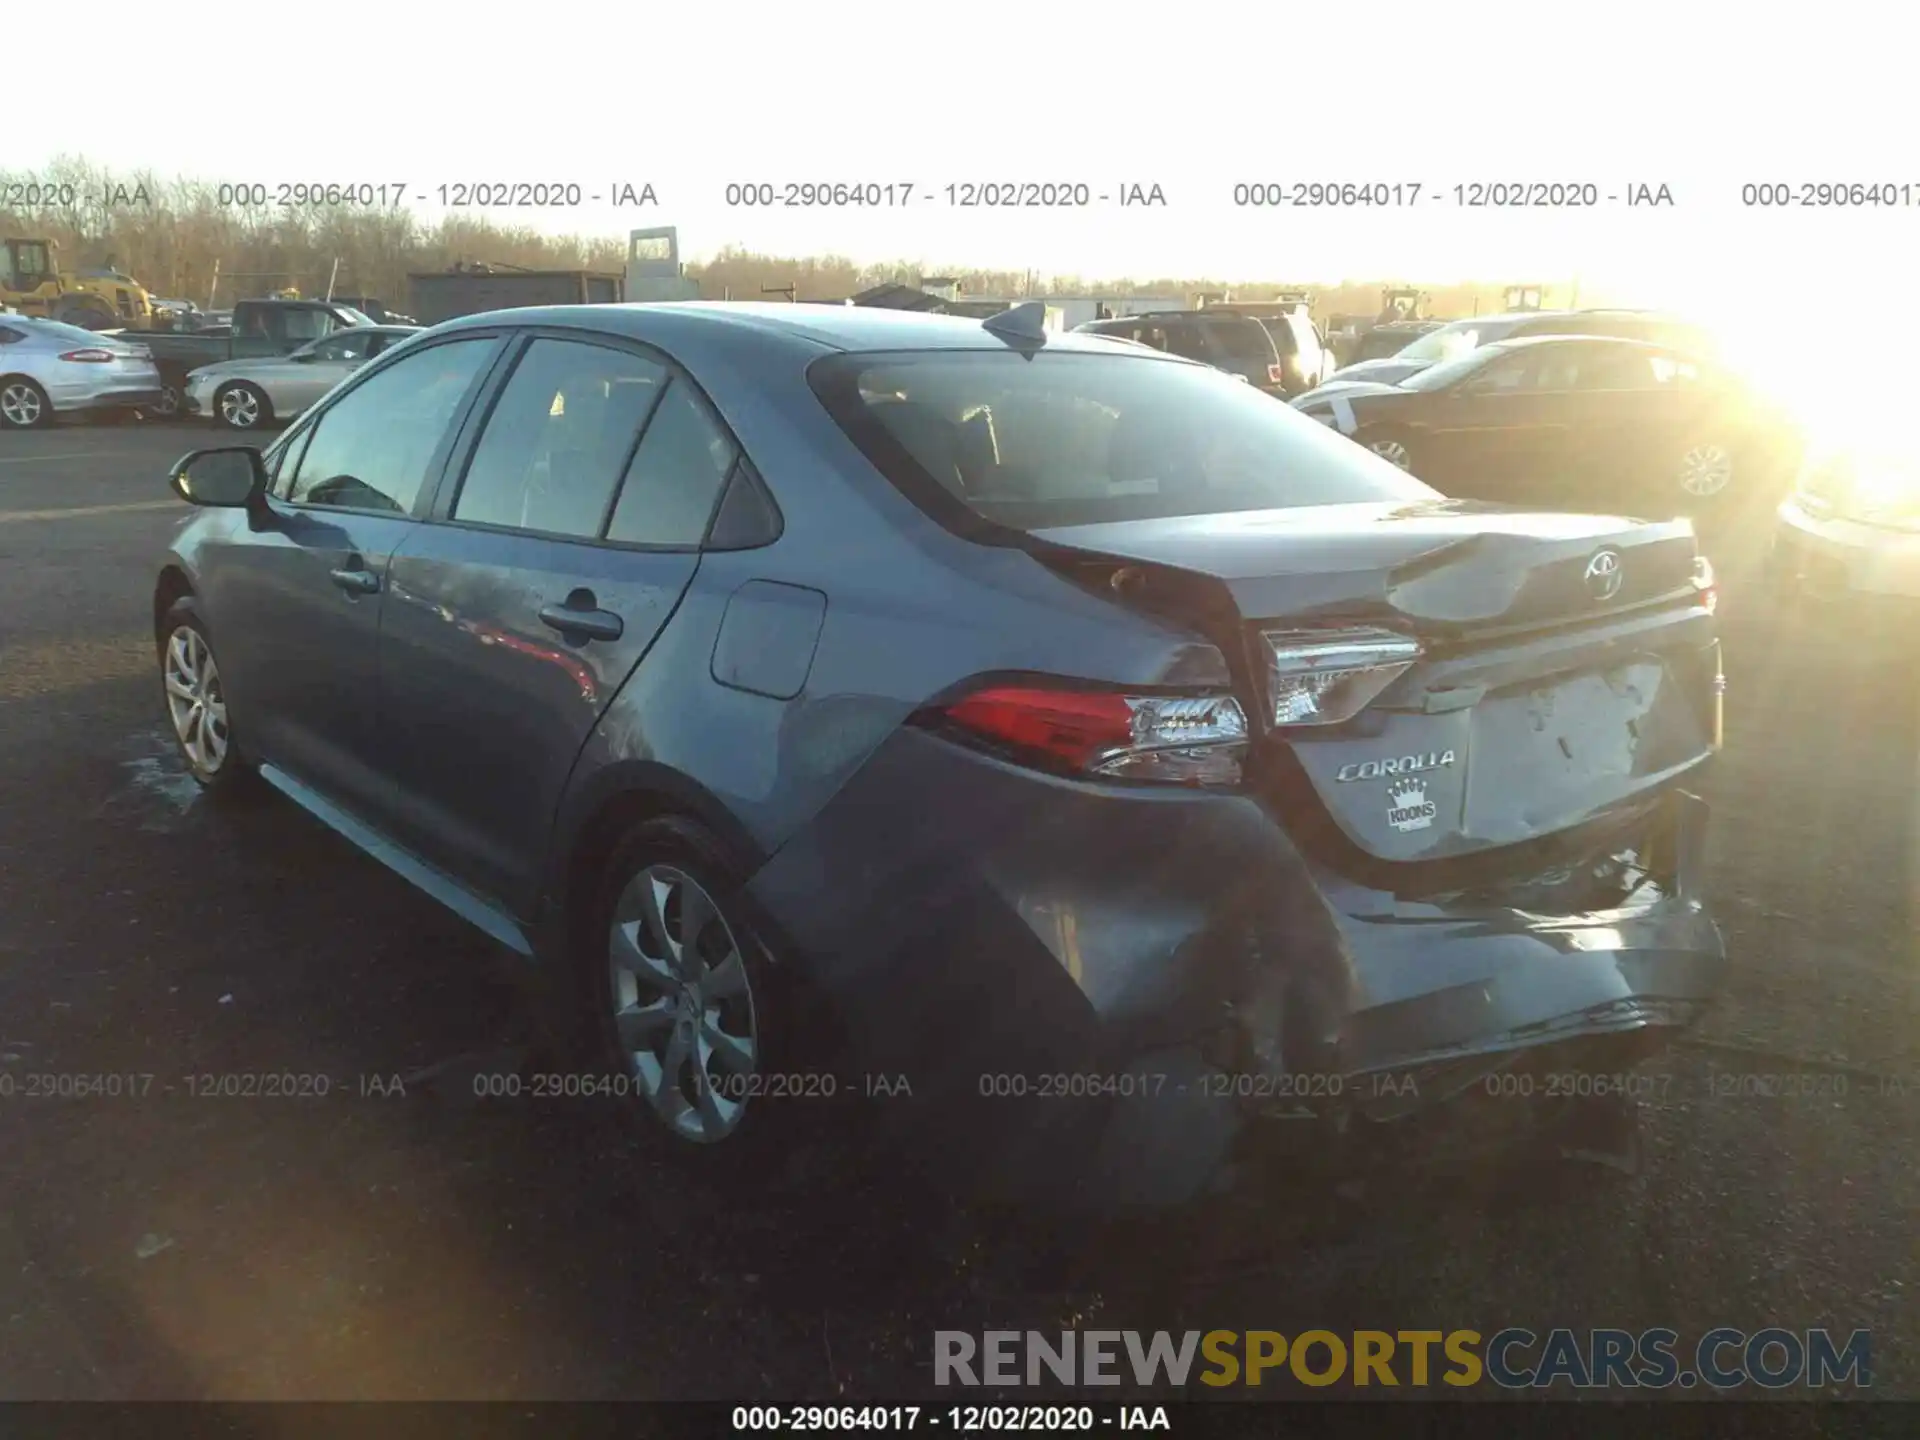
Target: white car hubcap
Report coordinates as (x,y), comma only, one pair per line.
(195,700)
(240,409)
(682,1005)
(1706,470)
(20,404)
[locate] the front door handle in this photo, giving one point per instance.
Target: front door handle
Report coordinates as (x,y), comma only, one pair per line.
(356,580)
(581,619)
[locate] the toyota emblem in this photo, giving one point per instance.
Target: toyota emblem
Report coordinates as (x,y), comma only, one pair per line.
(1604,575)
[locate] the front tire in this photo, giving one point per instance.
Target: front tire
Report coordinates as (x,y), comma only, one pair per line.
(679,1001)
(196,700)
(24,405)
(242,406)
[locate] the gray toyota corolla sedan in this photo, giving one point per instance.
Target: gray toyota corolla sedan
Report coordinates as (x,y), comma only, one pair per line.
(1106,758)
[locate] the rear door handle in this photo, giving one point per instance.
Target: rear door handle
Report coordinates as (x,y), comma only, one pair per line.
(583,622)
(356,580)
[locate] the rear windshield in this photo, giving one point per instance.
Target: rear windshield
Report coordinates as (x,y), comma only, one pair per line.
(1035,442)
(1245,339)
(1445,343)
(1281,333)
(64,333)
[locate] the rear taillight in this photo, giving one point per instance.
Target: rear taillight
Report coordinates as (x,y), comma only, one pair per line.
(1277,374)
(1172,739)
(1705,582)
(90,357)
(1326,677)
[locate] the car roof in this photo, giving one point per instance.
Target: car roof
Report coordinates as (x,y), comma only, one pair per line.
(1528,342)
(1206,312)
(805,327)
(1513,317)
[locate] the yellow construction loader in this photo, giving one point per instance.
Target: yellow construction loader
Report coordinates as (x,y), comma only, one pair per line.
(32,283)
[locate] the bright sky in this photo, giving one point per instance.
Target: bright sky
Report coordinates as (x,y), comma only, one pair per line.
(1193,97)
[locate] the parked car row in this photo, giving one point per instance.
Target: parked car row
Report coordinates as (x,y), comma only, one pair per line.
(778,682)
(1455,338)
(1567,420)
(1279,354)
(196,369)
(252,392)
(1595,409)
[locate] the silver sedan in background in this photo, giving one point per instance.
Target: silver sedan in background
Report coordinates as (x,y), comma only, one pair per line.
(250,393)
(48,368)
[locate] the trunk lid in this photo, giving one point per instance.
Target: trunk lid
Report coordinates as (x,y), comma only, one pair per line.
(1439,568)
(1568,670)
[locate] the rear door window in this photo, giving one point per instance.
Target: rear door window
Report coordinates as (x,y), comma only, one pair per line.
(558,439)
(674,482)
(1187,340)
(302,324)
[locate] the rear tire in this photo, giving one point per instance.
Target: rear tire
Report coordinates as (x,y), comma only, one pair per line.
(1389,445)
(169,405)
(688,1027)
(242,406)
(1704,473)
(23,404)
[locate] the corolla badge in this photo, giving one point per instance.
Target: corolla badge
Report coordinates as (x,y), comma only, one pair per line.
(1605,575)
(1398,765)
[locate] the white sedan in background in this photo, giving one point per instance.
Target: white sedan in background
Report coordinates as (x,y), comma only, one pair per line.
(1852,527)
(247,394)
(48,367)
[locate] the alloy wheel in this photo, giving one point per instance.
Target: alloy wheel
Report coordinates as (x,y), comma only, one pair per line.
(682,1004)
(240,408)
(195,700)
(1706,470)
(168,405)
(1391,451)
(21,404)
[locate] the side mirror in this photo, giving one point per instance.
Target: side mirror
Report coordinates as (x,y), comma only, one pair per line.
(228,478)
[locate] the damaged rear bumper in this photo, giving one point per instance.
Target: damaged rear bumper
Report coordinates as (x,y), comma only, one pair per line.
(1435,987)
(1101,994)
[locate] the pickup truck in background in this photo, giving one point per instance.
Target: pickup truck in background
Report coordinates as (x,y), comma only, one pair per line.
(260,327)
(375,310)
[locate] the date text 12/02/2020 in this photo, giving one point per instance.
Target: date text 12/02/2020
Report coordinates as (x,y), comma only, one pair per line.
(958,195)
(959,1419)
(391,194)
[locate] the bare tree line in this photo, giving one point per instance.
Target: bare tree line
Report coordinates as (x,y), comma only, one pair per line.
(171,235)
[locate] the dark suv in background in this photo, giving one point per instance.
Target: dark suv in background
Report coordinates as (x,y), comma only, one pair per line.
(1237,344)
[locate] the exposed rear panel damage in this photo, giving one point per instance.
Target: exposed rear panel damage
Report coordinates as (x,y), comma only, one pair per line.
(1201,973)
